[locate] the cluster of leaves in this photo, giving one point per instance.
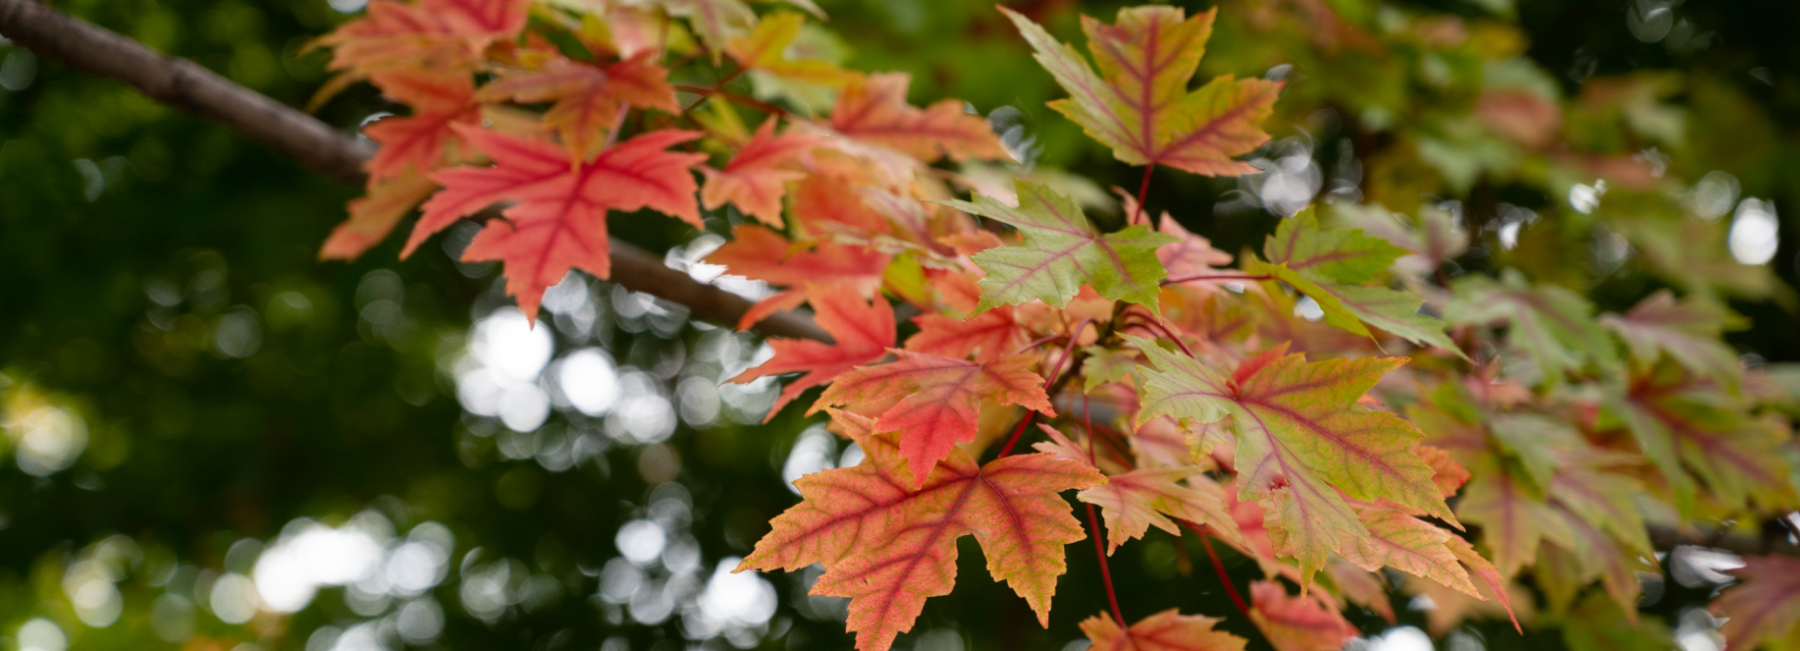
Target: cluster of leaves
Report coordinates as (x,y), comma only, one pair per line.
(1558,433)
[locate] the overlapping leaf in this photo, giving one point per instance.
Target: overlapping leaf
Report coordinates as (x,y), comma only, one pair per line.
(862,332)
(558,220)
(1063,251)
(1686,330)
(889,547)
(587,98)
(1168,630)
(756,179)
(1297,623)
(934,401)
(1302,438)
(874,110)
(1138,103)
(1764,608)
(1134,501)
(1553,326)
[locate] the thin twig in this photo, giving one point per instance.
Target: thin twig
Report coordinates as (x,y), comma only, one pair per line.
(1087,417)
(1189,279)
(1219,567)
(733,98)
(1143,211)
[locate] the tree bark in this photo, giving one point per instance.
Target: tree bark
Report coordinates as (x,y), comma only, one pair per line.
(317,146)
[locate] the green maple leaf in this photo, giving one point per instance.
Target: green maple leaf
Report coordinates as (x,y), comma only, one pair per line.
(1555,327)
(1328,265)
(1062,251)
(1139,103)
(1302,440)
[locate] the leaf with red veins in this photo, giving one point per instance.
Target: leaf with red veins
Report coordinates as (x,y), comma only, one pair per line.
(1133,502)
(934,401)
(1679,422)
(1765,605)
(1512,521)
(756,179)
(1602,556)
(863,331)
(1301,439)
(894,552)
(1483,570)
(842,511)
(1168,630)
(375,214)
(1139,103)
(558,220)
(1297,623)
(1687,331)
(418,141)
(874,110)
(587,97)
(761,254)
(1408,544)
(828,204)
(990,335)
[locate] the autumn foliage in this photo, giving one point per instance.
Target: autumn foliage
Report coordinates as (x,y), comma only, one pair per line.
(1462,430)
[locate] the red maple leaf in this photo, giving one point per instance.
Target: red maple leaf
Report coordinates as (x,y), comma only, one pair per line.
(755,179)
(934,401)
(558,220)
(432,34)
(874,110)
(888,547)
(588,97)
(863,332)
(418,141)
(990,335)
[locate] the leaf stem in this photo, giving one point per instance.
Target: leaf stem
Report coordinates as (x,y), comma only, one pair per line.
(1143,191)
(1112,597)
(1158,328)
(618,125)
(1054,386)
(1189,279)
(733,98)
(1219,567)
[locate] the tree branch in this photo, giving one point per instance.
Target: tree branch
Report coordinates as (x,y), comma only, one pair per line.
(315,145)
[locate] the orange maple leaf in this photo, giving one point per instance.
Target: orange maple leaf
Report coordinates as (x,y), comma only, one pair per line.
(874,110)
(1133,502)
(1297,623)
(934,401)
(863,332)
(761,254)
(588,98)
(1168,630)
(889,548)
(418,141)
(559,219)
(374,215)
(990,335)
(755,180)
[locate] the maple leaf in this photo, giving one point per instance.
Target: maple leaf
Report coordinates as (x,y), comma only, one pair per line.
(1686,330)
(588,98)
(889,548)
(1684,425)
(559,220)
(1302,438)
(1062,251)
(1191,256)
(1512,520)
(1765,606)
(1297,623)
(1139,103)
(717,22)
(761,254)
(990,335)
(754,180)
(1438,237)
(375,214)
(1340,255)
(1326,264)
(1595,555)
(934,401)
(1410,545)
(417,142)
(435,34)
(765,49)
(1361,587)
(874,110)
(1168,630)
(863,332)
(1133,502)
(1552,325)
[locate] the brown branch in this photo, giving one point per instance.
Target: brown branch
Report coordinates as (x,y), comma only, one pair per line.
(315,145)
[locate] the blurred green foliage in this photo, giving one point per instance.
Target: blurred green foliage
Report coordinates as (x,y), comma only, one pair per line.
(183,380)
